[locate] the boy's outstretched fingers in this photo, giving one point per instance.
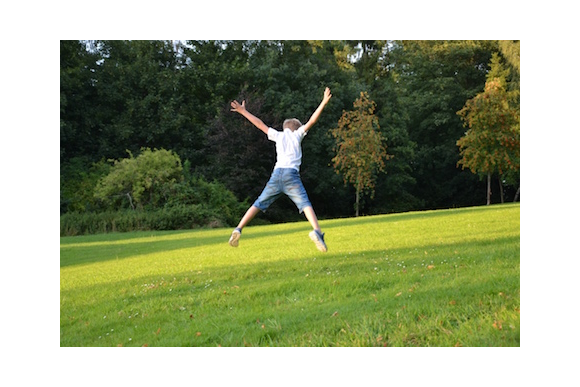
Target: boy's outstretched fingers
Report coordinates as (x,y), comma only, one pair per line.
(236,106)
(327,94)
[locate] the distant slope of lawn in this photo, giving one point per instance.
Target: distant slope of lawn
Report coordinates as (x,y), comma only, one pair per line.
(433,278)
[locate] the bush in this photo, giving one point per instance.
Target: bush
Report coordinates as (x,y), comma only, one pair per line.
(78,179)
(147,180)
(170,218)
(212,195)
(161,198)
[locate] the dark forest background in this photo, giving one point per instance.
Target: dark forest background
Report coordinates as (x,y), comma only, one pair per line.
(119,98)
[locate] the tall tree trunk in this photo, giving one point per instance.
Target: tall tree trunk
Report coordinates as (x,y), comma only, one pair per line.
(488,188)
(130,200)
(357,201)
(517,195)
(500,190)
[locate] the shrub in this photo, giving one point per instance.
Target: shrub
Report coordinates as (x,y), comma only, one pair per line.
(212,195)
(145,180)
(170,218)
(160,198)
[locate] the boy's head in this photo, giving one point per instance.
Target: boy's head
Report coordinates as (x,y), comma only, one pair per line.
(292,124)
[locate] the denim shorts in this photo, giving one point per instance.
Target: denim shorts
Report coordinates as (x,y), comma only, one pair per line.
(283,181)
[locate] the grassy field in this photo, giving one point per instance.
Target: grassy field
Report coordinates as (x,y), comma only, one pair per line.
(434,278)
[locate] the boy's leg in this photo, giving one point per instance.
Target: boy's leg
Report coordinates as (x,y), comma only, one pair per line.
(270,193)
(296,191)
(248,216)
(316,235)
(311,216)
(237,233)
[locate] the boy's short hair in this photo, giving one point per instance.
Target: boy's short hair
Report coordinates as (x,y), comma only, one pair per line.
(292,124)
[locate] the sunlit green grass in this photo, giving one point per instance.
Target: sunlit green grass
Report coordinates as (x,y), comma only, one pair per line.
(435,278)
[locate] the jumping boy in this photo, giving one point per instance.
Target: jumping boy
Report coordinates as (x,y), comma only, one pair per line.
(286,177)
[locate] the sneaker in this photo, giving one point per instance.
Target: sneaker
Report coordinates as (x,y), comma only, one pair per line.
(318,239)
(235,238)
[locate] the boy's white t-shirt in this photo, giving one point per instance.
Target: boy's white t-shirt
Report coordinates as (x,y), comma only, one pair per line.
(288,147)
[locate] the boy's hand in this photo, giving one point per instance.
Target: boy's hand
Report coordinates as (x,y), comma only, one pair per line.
(236,107)
(318,110)
(327,96)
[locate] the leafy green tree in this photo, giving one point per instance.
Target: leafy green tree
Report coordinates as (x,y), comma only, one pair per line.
(126,95)
(510,50)
(241,155)
(491,144)
(142,99)
(377,67)
(283,79)
(212,196)
(145,181)
(360,151)
(436,78)
(79,113)
(78,179)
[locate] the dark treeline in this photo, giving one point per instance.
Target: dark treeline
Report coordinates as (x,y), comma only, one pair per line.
(119,96)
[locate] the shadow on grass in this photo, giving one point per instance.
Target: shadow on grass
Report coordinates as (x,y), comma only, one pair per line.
(497,252)
(101,248)
(431,214)
(302,298)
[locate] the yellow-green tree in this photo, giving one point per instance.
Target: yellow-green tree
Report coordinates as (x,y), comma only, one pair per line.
(360,150)
(491,144)
(146,180)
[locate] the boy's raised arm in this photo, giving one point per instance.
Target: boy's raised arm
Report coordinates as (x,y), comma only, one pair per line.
(241,108)
(318,110)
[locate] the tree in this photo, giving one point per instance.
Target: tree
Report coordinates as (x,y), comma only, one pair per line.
(78,101)
(382,77)
(360,152)
(284,81)
(492,142)
(436,78)
(239,153)
(126,95)
(145,180)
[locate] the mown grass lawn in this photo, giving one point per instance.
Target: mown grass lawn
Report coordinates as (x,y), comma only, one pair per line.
(433,278)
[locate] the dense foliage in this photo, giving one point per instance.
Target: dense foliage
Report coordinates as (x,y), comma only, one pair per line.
(148,180)
(491,145)
(360,152)
(125,96)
